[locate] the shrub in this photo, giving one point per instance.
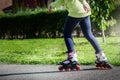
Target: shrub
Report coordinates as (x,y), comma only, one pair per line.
(40,23)
(32,24)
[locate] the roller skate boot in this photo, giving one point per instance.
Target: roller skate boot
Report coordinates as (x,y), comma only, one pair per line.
(70,64)
(101,62)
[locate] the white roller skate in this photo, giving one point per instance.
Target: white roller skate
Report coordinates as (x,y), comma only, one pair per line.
(102,62)
(71,63)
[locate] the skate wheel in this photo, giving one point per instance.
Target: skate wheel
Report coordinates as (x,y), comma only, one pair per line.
(102,67)
(67,69)
(98,66)
(72,69)
(60,68)
(78,68)
(107,67)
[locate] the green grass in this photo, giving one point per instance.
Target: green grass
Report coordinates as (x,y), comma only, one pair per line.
(51,51)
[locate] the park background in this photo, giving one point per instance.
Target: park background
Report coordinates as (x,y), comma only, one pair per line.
(29,34)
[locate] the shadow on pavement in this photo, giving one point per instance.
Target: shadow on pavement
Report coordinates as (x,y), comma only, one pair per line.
(45,72)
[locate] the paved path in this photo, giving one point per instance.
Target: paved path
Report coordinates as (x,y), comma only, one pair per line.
(50,72)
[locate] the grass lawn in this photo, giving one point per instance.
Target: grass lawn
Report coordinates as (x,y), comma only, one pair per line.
(51,51)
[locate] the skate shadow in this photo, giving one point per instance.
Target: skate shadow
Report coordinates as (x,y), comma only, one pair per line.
(45,72)
(28,73)
(90,69)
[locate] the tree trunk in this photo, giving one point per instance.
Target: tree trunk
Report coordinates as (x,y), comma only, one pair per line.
(103,33)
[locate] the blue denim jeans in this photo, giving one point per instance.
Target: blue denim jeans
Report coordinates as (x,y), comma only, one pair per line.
(85,25)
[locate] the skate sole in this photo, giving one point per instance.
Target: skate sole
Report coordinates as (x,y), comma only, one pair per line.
(107,67)
(61,68)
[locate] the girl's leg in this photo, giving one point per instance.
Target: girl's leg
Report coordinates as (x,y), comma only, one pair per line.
(86,29)
(68,28)
(101,61)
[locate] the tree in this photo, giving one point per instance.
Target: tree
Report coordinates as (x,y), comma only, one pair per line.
(101,14)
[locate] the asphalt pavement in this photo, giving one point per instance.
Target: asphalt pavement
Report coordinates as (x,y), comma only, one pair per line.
(51,72)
